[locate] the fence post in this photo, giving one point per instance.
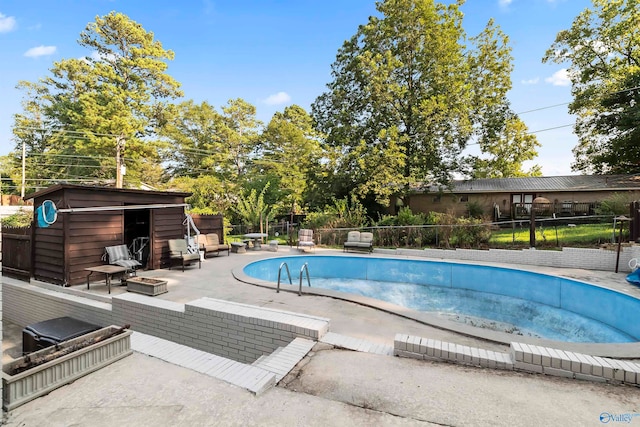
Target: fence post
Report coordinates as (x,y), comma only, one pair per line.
(532,229)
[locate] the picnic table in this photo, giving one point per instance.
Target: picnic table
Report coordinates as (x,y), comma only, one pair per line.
(256,238)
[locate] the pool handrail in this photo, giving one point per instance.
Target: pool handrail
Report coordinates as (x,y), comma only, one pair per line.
(305,267)
(284,264)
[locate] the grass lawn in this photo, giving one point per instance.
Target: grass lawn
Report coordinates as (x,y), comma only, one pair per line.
(580,235)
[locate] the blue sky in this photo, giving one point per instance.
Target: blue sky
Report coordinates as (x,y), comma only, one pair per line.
(274,53)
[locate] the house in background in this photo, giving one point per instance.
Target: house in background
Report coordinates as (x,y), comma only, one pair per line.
(512,198)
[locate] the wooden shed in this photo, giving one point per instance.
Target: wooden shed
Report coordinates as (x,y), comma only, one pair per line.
(91,218)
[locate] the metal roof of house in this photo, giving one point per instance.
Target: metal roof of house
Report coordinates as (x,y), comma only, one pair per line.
(544,184)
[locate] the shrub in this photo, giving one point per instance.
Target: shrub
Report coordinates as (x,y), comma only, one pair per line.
(406,217)
(616,204)
(475,210)
(470,232)
(20,219)
(317,220)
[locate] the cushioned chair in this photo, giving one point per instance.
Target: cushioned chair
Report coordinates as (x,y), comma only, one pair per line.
(119,255)
(210,243)
(178,251)
(305,238)
(359,241)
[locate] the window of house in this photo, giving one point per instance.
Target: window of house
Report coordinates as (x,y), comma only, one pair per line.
(524,199)
(437,199)
(464,198)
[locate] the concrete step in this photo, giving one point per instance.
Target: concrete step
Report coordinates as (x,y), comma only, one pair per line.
(356,344)
(252,378)
(282,361)
(266,357)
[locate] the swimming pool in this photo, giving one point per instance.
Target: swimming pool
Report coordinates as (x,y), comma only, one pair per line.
(495,298)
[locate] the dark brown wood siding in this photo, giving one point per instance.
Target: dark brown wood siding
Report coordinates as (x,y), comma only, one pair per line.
(16,252)
(77,239)
(166,224)
(210,224)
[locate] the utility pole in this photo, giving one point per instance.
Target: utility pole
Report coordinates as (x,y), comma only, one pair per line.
(24,167)
(119,166)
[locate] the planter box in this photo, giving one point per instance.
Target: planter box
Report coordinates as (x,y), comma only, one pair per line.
(21,388)
(146,286)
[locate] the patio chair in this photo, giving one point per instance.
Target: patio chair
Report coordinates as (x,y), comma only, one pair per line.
(178,251)
(119,255)
(210,243)
(305,239)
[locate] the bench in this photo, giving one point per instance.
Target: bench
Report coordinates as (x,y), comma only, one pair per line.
(359,241)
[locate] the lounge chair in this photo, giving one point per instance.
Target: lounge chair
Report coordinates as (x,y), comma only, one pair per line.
(119,255)
(305,239)
(210,243)
(178,251)
(361,241)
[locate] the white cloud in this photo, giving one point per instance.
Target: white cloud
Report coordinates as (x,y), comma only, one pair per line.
(532,81)
(7,23)
(559,78)
(277,99)
(96,56)
(35,52)
(504,3)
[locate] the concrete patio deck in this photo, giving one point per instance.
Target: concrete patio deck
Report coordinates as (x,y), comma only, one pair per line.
(332,386)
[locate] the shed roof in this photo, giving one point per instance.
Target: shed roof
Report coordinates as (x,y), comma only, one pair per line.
(58,187)
(544,184)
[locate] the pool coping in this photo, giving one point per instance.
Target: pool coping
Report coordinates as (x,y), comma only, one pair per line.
(612,350)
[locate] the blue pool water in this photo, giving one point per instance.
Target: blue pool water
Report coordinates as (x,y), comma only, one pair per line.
(515,301)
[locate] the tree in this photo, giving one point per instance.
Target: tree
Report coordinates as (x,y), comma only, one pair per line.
(508,148)
(193,140)
(290,154)
(116,94)
(238,133)
(209,195)
(252,209)
(602,48)
(407,95)
(211,148)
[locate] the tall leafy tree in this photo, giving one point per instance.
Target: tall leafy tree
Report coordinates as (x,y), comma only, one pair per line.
(602,48)
(238,131)
(290,153)
(193,141)
(510,147)
(408,94)
(113,99)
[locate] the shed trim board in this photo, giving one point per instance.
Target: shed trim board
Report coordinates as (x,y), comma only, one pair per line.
(91,218)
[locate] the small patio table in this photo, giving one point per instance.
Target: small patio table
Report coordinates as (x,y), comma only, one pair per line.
(257,239)
(108,270)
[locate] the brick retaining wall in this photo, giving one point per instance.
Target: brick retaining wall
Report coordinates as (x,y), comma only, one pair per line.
(237,331)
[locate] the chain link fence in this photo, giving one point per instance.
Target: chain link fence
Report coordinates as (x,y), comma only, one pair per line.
(580,231)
